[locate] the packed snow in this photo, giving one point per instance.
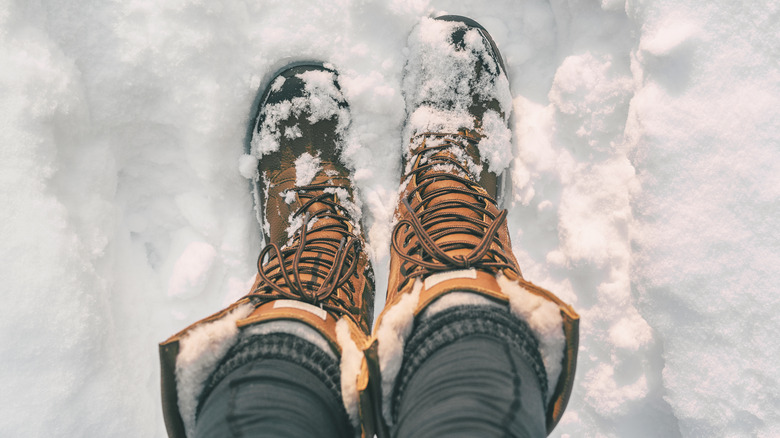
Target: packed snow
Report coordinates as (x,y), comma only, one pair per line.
(644,188)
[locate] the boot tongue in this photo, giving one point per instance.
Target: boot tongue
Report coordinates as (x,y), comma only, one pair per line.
(442,229)
(328,225)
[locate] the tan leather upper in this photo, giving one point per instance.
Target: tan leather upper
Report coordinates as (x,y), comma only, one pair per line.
(314,268)
(447,221)
(333,242)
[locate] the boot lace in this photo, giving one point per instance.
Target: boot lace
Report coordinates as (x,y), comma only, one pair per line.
(436,217)
(316,264)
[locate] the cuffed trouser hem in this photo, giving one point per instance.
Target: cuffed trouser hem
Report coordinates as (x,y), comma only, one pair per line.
(470,371)
(274,384)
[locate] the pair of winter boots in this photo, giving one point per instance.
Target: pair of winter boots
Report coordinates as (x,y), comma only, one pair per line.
(449,237)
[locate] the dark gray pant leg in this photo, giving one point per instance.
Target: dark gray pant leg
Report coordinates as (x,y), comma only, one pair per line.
(471,373)
(272,394)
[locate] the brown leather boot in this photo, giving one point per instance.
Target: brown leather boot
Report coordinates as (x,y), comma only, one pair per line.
(450,235)
(313,269)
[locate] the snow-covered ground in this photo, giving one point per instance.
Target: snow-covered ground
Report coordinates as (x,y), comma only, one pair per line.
(645,190)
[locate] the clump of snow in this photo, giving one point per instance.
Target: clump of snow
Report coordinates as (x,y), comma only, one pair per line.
(294,223)
(261,219)
(350,204)
(289,196)
(276,85)
(293,132)
(495,148)
(321,100)
(247,166)
(441,84)
(192,270)
(306,168)
(587,91)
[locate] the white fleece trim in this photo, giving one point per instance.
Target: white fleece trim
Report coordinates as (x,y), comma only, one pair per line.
(200,350)
(351,359)
(391,334)
(544,318)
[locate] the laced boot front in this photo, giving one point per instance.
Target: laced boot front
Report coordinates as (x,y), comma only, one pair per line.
(313,270)
(447,219)
(450,235)
(316,265)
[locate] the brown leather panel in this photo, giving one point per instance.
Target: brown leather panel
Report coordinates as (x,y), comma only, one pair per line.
(170,398)
(571,329)
(267,312)
(213,317)
(485,284)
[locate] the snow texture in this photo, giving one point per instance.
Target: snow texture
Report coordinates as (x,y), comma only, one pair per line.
(643,188)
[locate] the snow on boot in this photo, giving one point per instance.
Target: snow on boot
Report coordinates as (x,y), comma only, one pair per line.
(313,271)
(450,235)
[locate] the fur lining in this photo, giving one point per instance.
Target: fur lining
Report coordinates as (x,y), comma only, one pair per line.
(351,359)
(544,318)
(200,350)
(394,329)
